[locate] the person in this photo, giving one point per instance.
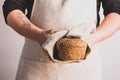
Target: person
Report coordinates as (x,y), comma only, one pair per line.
(37,20)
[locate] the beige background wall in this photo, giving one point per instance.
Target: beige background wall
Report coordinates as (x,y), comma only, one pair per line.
(11,45)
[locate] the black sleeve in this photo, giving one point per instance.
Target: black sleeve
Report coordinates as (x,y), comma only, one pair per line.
(111,6)
(10,5)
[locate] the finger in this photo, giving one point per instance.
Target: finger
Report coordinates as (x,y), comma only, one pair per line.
(51,31)
(54,31)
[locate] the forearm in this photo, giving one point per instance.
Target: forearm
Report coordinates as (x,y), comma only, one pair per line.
(106,29)
(19,22)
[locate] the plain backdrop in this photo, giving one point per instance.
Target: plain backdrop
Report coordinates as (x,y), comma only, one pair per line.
(11,45)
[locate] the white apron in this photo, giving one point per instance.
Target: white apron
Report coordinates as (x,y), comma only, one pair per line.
(61,15)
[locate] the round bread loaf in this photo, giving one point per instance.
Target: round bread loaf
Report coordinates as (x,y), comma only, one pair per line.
(71,48)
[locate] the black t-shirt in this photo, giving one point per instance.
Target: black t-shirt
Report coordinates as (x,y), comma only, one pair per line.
(9,5)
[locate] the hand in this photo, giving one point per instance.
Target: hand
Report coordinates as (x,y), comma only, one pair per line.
(45,34)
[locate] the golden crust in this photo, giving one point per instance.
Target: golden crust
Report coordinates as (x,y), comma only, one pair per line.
(71,48)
